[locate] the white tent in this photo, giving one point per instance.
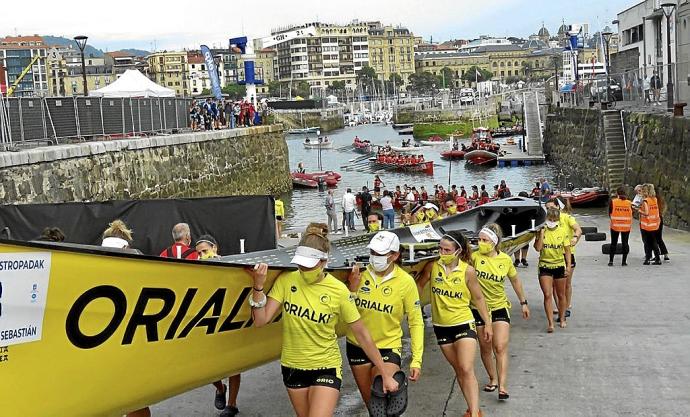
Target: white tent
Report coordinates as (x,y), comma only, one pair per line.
(133,84)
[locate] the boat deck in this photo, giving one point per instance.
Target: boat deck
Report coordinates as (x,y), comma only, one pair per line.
(516,157)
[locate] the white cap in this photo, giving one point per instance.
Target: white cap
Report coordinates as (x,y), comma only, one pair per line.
(114,242)
(384,242)
(430,206)
(308,257)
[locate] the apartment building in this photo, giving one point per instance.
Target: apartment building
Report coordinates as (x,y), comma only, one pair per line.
(17,54)
(121,61)
(391,51)
(334,53)
(169,69)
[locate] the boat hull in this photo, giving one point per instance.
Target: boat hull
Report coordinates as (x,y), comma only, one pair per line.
(453,155)
(595,198)
(481,157)
(421,168)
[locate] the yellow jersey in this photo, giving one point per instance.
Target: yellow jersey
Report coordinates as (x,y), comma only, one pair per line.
(568,222)
(382,303)
(491,275)
(310,315)
(450,297)
(280,208)
(555,242)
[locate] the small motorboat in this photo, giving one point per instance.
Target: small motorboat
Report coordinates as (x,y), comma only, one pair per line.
(454,154)
(362,146)
(406,148)
(406,131)
(304,130)
(304,183)
(587,197)
(434,141)
(329,177)
(481,157)
(317,143)
(402,125)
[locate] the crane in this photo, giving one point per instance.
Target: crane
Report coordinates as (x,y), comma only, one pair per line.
(22,75)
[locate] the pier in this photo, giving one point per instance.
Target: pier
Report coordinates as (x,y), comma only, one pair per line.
(624,351)
(530,153)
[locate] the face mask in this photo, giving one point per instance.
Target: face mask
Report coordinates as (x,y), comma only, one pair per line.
(447,259)
(207,255)
(379,263)
(452,210)
(312,276)
(374,227)
(551,225)
(430,214)
(485,248)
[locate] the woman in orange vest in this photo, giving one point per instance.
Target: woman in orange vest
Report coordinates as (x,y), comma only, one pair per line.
(620,212)
(649,225)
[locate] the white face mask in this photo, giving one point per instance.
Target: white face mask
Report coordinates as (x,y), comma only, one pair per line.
(379,263)
(551,225)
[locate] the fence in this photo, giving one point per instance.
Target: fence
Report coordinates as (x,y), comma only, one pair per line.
(60,119)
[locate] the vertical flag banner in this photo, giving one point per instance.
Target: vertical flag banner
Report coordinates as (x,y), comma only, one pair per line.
(212,71)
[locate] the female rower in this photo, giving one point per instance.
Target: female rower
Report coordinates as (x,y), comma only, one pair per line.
(554,265)
(384,294)
(574,233)
(493,267)
(453,286)
(312,302)
(207,248)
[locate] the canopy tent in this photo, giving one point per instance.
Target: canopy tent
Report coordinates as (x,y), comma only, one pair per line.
(133,84)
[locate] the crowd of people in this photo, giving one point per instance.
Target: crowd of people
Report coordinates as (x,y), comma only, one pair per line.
(212,114)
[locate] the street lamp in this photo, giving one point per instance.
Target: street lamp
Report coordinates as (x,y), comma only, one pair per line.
(668,11)
(81,43)
(607,38)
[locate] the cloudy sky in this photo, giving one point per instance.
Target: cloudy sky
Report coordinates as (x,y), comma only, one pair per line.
(175,25)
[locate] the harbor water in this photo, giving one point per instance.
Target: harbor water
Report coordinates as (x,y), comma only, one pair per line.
(306,205)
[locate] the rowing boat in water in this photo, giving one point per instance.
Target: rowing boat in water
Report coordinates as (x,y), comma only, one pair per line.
(165,326)
(481,157)
(426,167)
(316,144)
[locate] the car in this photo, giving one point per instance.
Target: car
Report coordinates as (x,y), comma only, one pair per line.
(597,89)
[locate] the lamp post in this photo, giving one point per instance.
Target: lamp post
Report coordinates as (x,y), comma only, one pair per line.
(607,38)
(668,11)
(81,43)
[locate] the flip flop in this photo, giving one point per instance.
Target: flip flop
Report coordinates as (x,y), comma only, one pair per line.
(490,387)
(549,330)
(397,401)
(378,401)
(502,395)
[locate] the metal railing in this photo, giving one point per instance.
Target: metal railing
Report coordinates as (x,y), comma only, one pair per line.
(54,120)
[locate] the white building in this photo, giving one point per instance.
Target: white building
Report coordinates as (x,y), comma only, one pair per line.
(483,41)
(586,69)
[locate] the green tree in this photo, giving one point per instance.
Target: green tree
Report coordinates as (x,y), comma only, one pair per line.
(278,88)
(337,88)
(235,91)
(423,82)
(446,79)
(395,81)
(366,78)
(480,74)
(301,88)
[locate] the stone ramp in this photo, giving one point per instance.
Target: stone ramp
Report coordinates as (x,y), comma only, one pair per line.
(533,123)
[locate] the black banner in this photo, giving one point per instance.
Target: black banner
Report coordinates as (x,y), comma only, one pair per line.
(228,219)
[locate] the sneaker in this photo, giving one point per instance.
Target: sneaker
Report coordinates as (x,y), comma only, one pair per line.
(646,262)
(610,263)
(220,398)
(229,411)
(624,263)
(524,263)
(657,262)
(666,258)
(516,263)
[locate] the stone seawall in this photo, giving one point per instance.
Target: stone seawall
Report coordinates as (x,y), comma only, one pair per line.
(658,152)
(227,162)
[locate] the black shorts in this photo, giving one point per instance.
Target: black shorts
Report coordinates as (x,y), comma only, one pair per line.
(279,218)
(356,356)
(301,378)
(555,273)
(377,189)
(502,314)
(451,334)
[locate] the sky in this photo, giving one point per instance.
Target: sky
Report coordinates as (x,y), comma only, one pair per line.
(174,24)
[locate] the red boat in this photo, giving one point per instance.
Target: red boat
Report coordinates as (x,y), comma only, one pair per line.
(304,183)
(481,157)
(587,197)
(329,177)
(426,167)
(453,154)
(362,146)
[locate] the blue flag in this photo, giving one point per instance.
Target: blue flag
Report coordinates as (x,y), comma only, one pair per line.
(212,72)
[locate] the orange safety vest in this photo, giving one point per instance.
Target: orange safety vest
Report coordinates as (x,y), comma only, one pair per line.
(651,221)
(621,215)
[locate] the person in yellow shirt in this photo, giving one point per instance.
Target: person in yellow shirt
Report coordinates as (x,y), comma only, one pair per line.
(384,295)
(493,267)
(453,287)
(280,216)
(553,246)
(312,303)
(451,208)
(574,232)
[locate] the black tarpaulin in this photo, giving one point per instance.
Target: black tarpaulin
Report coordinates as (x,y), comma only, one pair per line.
(228,219)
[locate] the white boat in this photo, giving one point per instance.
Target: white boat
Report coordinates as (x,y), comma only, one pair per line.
(317,143)
(407,148)
(434,142)
(301,131)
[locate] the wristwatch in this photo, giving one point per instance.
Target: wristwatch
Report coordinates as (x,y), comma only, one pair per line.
(523,303)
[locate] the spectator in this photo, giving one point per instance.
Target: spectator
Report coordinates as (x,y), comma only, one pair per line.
(229,115)
(207,248)
(349,203)
(646,87)
(52,234)
(655,84)
(117,235)
(180,249)
(388,210)
(329,203)
(546,190)
(374,221)
(503,190)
